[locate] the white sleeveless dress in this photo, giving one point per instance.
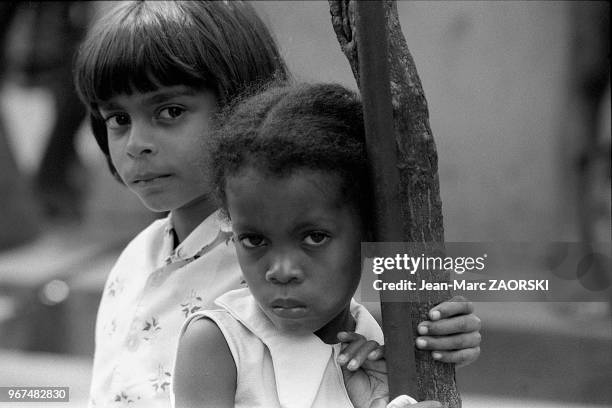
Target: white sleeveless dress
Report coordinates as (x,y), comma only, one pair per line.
(278,370)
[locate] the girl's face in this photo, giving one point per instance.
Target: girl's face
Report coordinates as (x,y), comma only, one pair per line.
(298,245)
(156,143)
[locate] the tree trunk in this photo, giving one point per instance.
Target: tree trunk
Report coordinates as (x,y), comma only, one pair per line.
(417,163)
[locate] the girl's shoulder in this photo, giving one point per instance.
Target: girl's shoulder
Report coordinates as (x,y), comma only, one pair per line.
(143,253)
(237,336)
(153,232)
(149,239)
(243,341)
(205,369)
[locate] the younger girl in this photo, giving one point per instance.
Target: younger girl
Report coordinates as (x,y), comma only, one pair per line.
(291,174)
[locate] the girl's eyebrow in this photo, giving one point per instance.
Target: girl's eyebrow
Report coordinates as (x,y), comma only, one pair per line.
(163,95)
(243,227)
(108,105)
(317,222)
(152,98)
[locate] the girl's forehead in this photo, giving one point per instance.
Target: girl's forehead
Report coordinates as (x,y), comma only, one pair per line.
(299,189)
(315,180)
(154,97)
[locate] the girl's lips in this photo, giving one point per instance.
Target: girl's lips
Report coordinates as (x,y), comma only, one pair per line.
(150,178)
(290,312)
(288,308)
(287,303)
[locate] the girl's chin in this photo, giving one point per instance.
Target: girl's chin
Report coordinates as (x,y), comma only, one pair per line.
(160,205)
(292,327)
(156,207)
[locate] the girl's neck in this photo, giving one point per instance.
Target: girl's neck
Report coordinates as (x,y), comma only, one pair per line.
(186,218)
(344,321)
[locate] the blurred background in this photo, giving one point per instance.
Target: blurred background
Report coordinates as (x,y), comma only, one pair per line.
(519,100)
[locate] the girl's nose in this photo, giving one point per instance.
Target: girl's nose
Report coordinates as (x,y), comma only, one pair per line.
(141,141)
(284,270)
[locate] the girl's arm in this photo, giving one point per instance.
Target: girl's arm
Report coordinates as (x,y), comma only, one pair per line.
(205,372)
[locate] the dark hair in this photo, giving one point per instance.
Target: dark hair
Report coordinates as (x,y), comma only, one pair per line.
(287,128)
(221,46)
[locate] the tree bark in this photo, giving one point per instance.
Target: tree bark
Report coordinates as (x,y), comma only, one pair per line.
(417,164)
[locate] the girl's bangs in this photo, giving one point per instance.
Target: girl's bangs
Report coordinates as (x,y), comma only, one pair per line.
(137,58)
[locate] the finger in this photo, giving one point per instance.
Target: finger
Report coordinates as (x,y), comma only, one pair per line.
(357,355)
(449,343)
(453,325)
(460,358)
(458,305)
(353,342)
(348,337)
(402,401)
(377,354)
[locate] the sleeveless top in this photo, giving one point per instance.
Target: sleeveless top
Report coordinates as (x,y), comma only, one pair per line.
(280,370)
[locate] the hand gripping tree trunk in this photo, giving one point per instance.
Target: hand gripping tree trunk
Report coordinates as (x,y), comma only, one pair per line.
(416,195)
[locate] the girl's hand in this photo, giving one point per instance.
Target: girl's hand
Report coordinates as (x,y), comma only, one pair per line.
(453,333)
(356,350)
(367,388)
(365,375)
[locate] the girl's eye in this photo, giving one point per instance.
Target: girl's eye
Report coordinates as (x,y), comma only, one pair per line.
(252,241)
(171,112)
(316,238)
(117,121)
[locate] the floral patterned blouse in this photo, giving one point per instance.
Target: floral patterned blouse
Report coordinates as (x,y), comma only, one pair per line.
(149,293)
